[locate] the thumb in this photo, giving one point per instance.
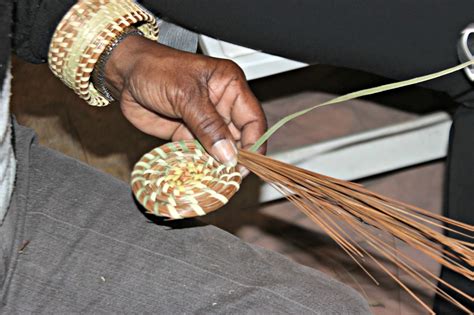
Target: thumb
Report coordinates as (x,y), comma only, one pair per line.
(210,129)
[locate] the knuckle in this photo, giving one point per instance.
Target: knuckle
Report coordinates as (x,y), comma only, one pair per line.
(186,92)
(233,69)
(211,126)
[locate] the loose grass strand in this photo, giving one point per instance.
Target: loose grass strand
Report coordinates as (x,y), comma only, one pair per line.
(341,208)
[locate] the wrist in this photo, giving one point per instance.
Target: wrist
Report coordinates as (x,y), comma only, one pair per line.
(129,55)
(110,68)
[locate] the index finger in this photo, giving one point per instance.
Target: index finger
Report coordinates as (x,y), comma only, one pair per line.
(248,116)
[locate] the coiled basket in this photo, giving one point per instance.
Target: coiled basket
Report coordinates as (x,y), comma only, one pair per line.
(181,180)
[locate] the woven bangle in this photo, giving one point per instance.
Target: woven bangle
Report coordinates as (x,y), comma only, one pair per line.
(85,32)
(98,77)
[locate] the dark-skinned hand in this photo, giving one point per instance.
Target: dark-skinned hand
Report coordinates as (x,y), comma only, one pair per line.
(175,95)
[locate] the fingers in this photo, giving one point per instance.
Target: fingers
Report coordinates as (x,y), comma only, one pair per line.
(149,122)
(155,125)
(248,116)
(211,130)
(182,133)
(236,134)
(249,119)
(201,120)
(234,100)
(211,97)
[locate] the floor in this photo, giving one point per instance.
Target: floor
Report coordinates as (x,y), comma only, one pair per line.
(104,139)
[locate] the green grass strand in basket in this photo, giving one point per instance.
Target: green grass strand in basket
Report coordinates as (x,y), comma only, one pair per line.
(353,95)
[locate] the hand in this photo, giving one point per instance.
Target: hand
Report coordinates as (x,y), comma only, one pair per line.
(176,95)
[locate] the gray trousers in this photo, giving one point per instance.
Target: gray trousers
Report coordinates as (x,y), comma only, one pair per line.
(75,241)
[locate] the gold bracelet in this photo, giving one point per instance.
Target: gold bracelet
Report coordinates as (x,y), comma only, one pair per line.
(84,33)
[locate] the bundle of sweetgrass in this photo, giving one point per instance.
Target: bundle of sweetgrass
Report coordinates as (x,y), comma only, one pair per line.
(180,180)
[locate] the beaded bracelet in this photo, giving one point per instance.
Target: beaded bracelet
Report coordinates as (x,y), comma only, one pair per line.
(85,32)
(98,78)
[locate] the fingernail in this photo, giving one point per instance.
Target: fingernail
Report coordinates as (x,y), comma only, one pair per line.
(226,152)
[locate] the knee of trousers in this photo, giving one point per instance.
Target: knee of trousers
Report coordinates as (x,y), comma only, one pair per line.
(349,301)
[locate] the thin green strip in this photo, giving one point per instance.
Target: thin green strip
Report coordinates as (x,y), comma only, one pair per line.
(357,94)
(183,145)
(199,145)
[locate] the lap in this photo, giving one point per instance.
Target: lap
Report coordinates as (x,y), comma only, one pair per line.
(91,250)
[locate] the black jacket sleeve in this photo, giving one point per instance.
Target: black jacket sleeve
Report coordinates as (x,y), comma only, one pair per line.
(36,20)
(378,37)
(34,25)
(396,39)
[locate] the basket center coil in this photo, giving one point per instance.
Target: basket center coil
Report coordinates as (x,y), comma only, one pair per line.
(180,180)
